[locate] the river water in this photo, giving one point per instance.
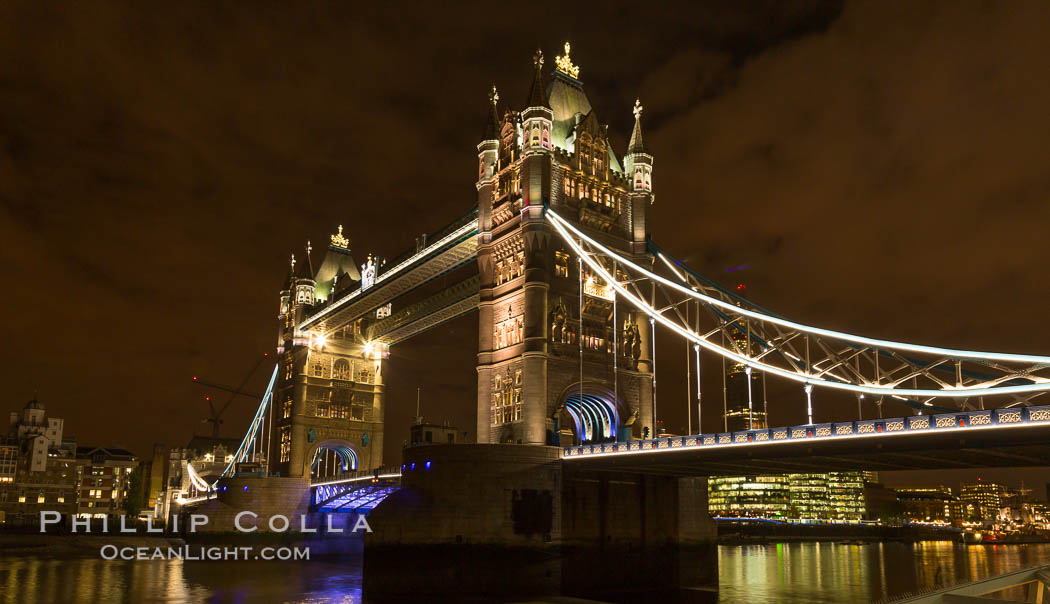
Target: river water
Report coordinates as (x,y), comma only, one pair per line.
(784,572)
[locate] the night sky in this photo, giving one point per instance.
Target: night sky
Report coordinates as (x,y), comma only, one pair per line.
(881,167)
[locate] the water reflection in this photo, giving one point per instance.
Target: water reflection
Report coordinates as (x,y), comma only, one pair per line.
(834,572)
(44,580)
(783,572)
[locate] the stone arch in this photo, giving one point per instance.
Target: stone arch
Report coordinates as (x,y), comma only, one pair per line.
(596,416)
(345,452)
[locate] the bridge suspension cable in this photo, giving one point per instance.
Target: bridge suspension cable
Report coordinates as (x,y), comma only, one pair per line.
(255,429)
(811,355)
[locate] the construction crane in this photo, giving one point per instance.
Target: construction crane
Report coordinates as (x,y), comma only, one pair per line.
(216,417)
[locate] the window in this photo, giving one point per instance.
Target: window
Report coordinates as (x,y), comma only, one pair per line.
(509,332)
(288,370)
(561,264)
(286,406)
(286,443)
(318,369)
(341,370)
(519,264)
(506,399)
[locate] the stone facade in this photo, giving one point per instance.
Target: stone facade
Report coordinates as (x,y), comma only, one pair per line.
(555,154)
(329,392)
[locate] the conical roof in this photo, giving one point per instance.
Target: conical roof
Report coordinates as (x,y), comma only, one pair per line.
(538,92)
(289,281)
(305,269)
(637,145)
(492,123)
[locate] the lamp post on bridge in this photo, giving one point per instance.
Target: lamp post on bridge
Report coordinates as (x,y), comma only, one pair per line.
(809,402)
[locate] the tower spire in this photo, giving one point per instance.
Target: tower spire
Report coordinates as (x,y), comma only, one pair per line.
(492,125)
(636,145)
(306,268)
(538,92)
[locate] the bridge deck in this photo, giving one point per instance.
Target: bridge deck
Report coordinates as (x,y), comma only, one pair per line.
(978,439)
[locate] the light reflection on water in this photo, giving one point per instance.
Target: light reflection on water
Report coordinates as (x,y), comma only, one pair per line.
(783,572)
(834,572)
(44,580)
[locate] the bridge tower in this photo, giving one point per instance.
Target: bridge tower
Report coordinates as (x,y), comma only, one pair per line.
(534,332)
(328,403)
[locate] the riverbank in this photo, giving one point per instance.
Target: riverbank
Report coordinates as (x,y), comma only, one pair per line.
(743,534)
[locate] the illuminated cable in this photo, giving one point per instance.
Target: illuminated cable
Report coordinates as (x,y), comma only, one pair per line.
(563,230)
(949,352)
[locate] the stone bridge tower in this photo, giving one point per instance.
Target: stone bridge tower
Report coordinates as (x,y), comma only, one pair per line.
(329,396)
(534,334)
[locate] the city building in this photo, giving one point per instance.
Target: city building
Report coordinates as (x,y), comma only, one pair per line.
(8,462)
(845,495)
(748,496)
(43,474)
(927,504)
(836,496)
(980,500)
(880,502)
(102,479)
(426,434)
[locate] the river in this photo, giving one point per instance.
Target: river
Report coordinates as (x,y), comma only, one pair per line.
(784,572)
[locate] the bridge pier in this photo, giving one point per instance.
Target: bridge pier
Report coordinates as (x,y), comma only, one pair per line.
(517,513)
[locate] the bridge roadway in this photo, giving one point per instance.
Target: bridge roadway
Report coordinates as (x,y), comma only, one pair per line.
(975,439)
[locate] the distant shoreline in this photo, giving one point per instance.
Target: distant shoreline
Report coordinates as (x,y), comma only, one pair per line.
(745,534)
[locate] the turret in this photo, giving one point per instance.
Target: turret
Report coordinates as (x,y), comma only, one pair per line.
(536,122)
(638,163)
(638,166)
(488,159)
(304,281)
(285,320)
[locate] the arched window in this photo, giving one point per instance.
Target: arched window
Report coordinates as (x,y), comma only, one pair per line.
(341,370)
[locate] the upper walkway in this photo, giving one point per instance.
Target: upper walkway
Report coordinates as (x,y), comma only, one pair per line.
(444,251)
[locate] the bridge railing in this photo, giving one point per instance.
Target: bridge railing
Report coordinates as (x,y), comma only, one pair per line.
(437,235)
(384,472)
(962,420)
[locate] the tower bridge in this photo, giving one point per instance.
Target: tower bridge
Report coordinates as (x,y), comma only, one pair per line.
(556,256)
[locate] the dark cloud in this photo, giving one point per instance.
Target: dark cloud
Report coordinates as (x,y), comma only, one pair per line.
(158,164)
